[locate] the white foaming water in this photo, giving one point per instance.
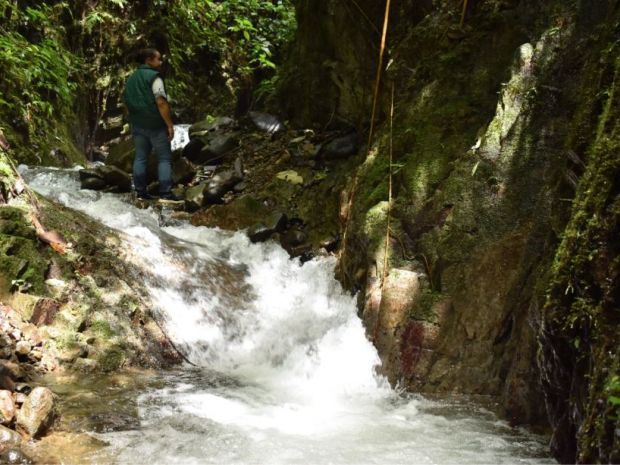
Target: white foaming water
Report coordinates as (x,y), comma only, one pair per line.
(181,136)
(288,375)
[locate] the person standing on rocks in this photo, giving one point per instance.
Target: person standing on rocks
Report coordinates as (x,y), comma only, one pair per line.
(151,123)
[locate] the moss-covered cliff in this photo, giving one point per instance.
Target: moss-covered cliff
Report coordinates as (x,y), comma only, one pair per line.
(502,253)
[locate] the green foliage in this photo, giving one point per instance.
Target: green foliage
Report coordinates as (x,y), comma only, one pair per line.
(613,390)
(244,35)
(44,47)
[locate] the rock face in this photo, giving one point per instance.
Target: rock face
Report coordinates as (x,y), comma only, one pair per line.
(37,413)
(505,193)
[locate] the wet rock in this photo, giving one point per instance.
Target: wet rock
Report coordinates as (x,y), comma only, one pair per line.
(219,185)
(192,151)
(9,439)
(182,171)
(194,197)
(88,174)
(340,147)
(7,407)
(266,122)
(37,413)
(94,184)
(121,155)
(262,231)
(329,243)
(293,238)
(116,177)
(217,147)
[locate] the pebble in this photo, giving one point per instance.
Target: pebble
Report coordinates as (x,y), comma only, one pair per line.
(23,347)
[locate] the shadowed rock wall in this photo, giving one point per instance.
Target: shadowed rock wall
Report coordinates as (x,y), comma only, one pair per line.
(496,127)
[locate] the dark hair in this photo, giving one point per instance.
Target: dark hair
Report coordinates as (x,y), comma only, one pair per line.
(145,54)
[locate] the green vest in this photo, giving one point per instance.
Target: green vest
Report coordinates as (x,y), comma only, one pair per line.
(140,101)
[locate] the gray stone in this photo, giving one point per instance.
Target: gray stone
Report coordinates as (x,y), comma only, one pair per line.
(9,439)
(194,197)
(217,147)
(37,413)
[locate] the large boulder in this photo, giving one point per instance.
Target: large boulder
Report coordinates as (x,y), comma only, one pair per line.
(37,413)
(217,147)
(202,128)
(93,184)
(182,171)
(192,151)
(115,177)
(122,154)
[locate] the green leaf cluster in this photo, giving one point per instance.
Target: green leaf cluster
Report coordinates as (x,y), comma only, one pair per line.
(36,83)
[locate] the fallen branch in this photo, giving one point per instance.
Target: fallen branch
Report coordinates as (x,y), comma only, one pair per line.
(53,238)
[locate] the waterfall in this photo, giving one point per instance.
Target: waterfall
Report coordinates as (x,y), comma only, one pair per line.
(286,374)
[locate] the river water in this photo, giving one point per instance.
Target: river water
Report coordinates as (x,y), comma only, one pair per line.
(283,372)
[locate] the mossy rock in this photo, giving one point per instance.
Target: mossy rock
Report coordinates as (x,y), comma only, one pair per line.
(20,259)
(13,223)
(112,358)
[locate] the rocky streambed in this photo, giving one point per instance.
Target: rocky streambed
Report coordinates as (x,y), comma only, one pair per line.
(253,174)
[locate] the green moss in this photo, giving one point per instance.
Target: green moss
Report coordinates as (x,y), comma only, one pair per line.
(13,223)
(423,308)
(112,358)
(67,341)
(580,309)
(20,258)
(102,328)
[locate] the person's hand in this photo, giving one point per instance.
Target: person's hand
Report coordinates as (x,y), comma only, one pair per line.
(170,133)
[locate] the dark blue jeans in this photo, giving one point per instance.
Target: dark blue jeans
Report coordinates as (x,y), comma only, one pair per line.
(146,140)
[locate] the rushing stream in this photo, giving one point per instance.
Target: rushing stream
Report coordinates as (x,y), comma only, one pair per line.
(283,371)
